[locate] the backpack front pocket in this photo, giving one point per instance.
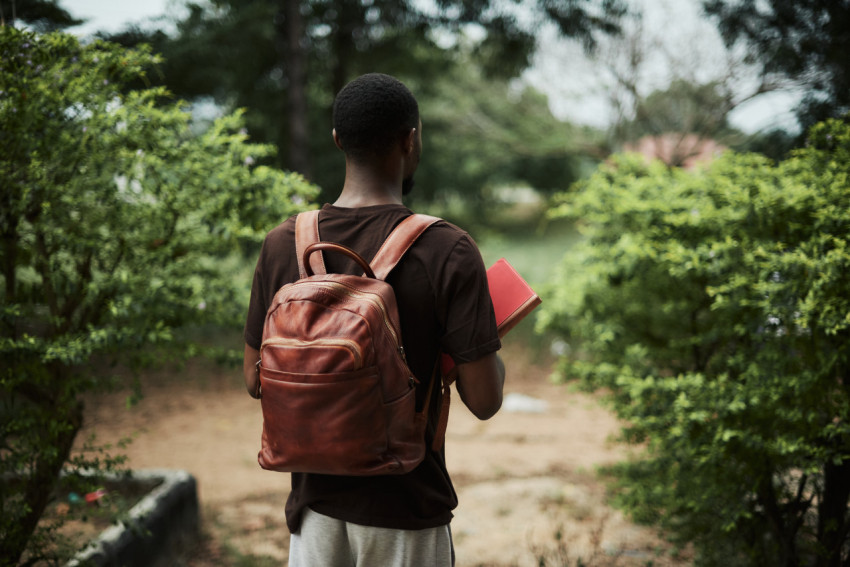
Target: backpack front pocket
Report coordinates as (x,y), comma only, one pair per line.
(323,423)
(330,354)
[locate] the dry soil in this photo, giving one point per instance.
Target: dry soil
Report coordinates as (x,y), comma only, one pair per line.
(526,479)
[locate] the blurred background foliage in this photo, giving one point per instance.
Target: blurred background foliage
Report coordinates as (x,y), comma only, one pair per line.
(710,302)
(284,61)
(484,128)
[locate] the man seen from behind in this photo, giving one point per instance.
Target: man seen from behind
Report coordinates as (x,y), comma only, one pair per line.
(444,306)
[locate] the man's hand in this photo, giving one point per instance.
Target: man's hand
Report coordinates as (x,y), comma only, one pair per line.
(480,384)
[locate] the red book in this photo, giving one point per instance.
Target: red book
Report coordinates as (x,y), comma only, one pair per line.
(512,297)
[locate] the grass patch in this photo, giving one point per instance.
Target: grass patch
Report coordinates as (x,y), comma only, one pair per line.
(534,249)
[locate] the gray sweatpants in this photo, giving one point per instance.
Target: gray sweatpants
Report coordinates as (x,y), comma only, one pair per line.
(327,542)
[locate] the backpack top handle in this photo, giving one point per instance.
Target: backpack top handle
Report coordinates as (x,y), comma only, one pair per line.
(334,247)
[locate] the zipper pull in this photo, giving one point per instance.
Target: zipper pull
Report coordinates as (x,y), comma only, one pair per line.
(402,353)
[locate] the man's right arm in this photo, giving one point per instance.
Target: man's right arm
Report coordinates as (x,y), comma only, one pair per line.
(480,384)
(250,372)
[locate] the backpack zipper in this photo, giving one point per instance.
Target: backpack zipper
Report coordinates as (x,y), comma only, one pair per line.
(347,344)
(370,297)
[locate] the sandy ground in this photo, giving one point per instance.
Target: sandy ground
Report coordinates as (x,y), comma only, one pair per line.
(529,495)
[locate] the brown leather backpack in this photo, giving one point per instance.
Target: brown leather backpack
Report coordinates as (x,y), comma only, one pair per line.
(337,394)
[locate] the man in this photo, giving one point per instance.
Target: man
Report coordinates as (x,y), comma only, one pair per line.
(444,305)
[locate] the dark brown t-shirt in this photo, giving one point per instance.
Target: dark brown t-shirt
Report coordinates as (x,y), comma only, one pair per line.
(444,305)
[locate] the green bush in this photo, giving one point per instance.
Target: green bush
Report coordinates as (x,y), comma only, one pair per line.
(714,306)
(116,220)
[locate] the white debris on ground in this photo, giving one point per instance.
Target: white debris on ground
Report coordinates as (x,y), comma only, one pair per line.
(520,403)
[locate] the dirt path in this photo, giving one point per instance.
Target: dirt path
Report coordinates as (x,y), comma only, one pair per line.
(525,478)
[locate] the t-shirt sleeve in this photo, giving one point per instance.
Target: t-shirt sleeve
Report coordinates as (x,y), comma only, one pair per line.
(257,307)
(470,324)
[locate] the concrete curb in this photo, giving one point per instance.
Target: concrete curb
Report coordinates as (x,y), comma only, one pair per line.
(154,527)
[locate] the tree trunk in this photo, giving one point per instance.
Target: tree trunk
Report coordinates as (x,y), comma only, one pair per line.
(10,252)
(295,64)
(38,485)
(347,21)
(785,534)
(9,222)
(833,528)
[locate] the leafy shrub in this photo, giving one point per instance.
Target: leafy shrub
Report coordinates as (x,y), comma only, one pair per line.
(714,306)
(116,219)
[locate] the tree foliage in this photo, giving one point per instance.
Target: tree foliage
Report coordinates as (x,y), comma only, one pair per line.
(686,109)
(116,224)
(715,308)
(807,41)
(41,15)
(481,134)
(686,119)
(285,65)
(682,107)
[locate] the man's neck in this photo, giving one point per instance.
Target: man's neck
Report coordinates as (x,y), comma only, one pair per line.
(354,199)
(365,188)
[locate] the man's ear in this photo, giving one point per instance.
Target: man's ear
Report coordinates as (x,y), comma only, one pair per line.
(409,142)
(336,139)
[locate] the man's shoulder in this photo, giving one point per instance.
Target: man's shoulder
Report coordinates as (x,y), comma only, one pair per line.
(446,234)
(446,246)
(282,233)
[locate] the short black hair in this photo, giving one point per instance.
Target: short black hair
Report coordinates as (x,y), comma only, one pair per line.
(373,112)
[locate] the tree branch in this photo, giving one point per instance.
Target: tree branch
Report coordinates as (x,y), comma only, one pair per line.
(42,264)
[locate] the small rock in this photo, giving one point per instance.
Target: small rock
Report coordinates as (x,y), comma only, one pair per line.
(520,403)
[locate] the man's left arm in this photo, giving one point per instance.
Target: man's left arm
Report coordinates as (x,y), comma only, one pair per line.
(472,335)
(480,384)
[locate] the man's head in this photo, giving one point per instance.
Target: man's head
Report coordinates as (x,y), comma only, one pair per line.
(372,114)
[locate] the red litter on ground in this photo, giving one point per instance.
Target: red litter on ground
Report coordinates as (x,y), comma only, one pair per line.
(96,496)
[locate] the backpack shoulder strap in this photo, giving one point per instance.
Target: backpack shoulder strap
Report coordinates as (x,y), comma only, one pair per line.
(398,242)
(307,233)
